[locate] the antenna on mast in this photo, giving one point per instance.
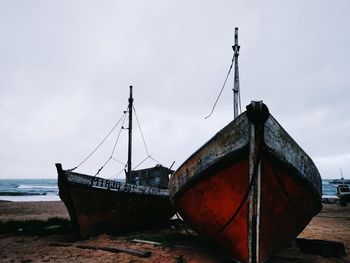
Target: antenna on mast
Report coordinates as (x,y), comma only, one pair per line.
(236,95)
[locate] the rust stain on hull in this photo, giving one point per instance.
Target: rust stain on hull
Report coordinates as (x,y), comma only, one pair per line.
(95,209)
(249,202)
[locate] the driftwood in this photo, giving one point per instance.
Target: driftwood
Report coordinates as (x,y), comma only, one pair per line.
(321,247)
(134,252)
(146,242)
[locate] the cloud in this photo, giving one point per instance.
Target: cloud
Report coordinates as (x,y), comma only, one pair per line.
(66,68)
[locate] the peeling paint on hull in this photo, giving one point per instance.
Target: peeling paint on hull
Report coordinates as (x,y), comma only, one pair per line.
(249,198)
(96,209)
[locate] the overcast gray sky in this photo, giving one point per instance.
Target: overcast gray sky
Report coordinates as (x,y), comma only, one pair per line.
(66,66)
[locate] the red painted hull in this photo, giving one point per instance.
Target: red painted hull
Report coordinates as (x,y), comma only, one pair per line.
(250,194)
(217,198)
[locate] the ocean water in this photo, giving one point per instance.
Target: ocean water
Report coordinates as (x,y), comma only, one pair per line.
(327,188)
(26,190)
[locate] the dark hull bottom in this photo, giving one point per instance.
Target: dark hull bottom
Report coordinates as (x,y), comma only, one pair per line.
(345,197)
(95,211)
(213,207)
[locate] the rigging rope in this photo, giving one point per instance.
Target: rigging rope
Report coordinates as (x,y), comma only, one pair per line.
(116,141)
(223,86)
(141,162)
(114,159)
(98,146)
(155,160)
(99,170)
(138,124)
(114,146)
(122,170)
(149,156)
(111,157)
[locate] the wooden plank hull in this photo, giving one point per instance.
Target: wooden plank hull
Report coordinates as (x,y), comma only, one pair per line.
(249,198)
(97,206)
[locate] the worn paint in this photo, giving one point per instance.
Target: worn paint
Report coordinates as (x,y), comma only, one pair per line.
(229,140)
(286,178)
(97,205)
(101,183)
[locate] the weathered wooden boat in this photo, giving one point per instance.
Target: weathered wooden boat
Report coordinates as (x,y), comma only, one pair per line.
(343,189)
(343,192)
(342,180)
(250,188)
(97,205)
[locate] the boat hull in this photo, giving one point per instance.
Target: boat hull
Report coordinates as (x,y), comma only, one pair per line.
(250,198)
(96,205)
(345,197)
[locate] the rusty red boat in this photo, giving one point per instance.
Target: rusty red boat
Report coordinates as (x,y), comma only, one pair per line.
(97,205)
(251,188)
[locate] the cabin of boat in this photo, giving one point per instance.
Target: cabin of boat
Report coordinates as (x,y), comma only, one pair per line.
(157,176)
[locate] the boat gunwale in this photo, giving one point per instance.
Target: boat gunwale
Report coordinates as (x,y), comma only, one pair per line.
(147,189)
(317,185)
(238,154)
(211,170)
(100,189)
(241,116)
(242,145)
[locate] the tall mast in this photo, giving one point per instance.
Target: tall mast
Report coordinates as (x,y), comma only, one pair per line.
(236,78)
(341,174)
(131,100)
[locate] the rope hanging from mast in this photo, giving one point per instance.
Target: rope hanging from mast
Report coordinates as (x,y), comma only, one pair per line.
(236,90)
(222,88)
(126,166)
(139,126)
(149,156)
(98,146)
(114,146)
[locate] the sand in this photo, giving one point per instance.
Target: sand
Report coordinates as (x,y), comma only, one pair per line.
(332,224)
(21,211)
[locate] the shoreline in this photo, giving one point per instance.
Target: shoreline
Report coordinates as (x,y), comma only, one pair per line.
(57,243)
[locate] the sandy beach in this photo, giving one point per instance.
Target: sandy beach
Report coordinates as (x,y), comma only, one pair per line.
(332,224)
